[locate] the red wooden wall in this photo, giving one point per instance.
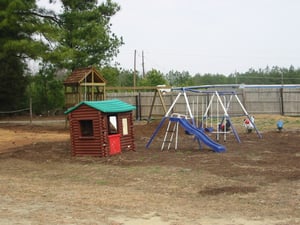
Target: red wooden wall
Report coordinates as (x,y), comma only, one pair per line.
(98,145)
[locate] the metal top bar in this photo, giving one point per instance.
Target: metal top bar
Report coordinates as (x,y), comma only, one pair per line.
(270,86)
(223,92)
(236,86)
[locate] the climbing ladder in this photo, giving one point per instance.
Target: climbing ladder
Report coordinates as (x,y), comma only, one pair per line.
(172,131)
(169,135)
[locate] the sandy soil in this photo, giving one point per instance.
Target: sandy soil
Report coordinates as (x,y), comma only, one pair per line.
(255,182)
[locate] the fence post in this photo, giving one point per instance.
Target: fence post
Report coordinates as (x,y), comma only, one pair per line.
(281,102)
(138,106)
(30,109)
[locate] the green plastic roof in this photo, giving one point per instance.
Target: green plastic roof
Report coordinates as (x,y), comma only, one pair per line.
(107,106)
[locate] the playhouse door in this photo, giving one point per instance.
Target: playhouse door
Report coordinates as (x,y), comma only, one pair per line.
(114,144)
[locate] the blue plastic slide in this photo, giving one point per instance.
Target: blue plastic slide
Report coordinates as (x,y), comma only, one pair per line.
(200,135)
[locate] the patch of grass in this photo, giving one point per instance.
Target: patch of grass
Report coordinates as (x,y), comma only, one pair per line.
(181,152)
(297,121)
(184,170)
(77,178)
(228,190)
(153,169)
(101,182)
(269,122)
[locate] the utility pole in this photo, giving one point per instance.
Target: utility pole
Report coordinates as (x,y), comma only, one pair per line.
(134,70)
(143,64)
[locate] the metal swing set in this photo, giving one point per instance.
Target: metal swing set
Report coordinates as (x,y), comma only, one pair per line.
(187,121)
(224,123)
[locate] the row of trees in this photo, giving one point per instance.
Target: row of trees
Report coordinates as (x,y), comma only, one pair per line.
(47,89)
(274,75)
(80,36)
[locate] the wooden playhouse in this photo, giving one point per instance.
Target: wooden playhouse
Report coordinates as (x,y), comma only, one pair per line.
(101,128)
(84,84)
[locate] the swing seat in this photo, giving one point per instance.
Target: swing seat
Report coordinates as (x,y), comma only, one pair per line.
(222,132)
(248,130)
(187,132)
(209,129)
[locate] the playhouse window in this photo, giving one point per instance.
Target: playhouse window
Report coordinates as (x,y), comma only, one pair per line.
(125,126)
(113,125)
(86,128)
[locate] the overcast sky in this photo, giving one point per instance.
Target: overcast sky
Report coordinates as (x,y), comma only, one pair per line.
(208,36)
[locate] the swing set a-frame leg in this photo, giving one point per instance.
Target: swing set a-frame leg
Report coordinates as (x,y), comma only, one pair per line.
(153,102)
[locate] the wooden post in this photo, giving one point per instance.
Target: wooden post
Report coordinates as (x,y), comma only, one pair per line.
(162,101)
(30,109)
(134,70)
(152,105)
(92,87)
(138,106)
(143,64)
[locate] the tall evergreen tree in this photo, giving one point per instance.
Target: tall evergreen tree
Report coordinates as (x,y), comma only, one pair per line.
(84,36)
(78,37)
(18,24)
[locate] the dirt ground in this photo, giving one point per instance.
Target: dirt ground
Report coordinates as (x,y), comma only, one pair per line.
(255,182)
